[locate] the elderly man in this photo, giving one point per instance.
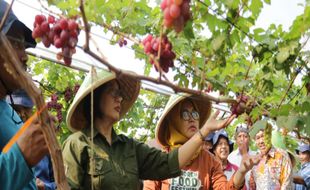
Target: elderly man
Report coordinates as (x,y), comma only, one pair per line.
(302,180)
(274,171)
(15,165)
(242,139)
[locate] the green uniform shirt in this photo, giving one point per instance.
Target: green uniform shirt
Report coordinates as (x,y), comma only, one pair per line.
(119,166)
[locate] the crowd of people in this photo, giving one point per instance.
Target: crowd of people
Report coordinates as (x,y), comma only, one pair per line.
(191,149)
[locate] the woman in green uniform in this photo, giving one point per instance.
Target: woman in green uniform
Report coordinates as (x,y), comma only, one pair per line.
(105,160)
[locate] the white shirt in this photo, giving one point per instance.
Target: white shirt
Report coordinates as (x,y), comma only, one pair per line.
(235,157)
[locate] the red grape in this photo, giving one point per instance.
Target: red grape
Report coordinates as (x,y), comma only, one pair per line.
(176,13)
(62,33)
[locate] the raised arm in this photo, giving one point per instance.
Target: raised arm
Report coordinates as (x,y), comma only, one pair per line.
(187,150)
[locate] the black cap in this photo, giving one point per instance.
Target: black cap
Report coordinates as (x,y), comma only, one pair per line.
(12,22)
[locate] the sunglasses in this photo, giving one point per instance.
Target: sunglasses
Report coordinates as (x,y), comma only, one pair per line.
(116,93)
(186,115)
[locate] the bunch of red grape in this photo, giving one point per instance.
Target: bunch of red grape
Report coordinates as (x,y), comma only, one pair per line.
(151,46)
(244,104)
(62,33)
(239,107)
(53,104)
(70,93)
(176,13)
(122,42)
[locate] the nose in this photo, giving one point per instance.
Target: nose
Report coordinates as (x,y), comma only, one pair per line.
(23,57)
(261,140)
(119,99)
(191,117)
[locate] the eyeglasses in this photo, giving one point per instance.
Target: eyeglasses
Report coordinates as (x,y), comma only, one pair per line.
(116,93)
(186,115)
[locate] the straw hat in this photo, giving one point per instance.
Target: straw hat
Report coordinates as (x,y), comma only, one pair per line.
(76,119)
(204,107)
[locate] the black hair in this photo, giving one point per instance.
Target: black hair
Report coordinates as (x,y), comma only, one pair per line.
(218,140)
(97,102)
(96,107)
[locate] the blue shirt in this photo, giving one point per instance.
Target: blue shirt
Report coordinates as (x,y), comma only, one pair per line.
(304,172)
(14,171)
(44,171)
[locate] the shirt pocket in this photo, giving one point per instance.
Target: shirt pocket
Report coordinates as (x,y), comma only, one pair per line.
(130,164)
(131,175)
(102,170)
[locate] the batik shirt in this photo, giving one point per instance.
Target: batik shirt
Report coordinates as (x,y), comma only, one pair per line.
(273,172)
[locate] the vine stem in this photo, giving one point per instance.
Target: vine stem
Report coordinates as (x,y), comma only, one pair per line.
(176,88)
(86,26)
(289,87)
(115,31)
(298,92)
(158,53)
(49,11)
(247,74)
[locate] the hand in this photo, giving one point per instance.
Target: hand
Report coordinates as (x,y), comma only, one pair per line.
(212,124)
(248,162)
(32,144)
(243,149)
(40,184)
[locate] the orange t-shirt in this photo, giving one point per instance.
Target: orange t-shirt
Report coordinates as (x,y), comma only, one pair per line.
(204,173)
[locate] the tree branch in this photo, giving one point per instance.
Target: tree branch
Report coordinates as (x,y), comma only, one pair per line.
(86,26)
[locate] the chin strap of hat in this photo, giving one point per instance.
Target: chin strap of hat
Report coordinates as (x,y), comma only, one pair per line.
(6,88)
(93,73)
